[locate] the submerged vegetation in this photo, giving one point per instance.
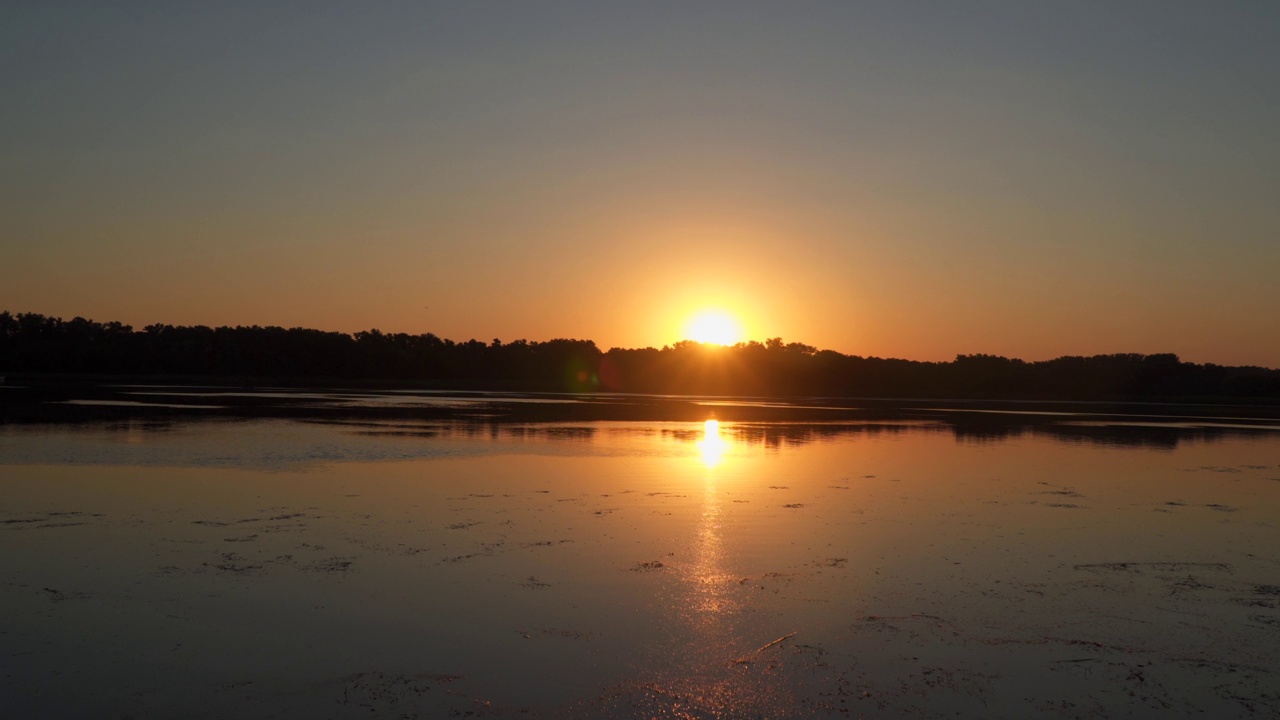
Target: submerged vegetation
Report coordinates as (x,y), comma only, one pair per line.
(34,343)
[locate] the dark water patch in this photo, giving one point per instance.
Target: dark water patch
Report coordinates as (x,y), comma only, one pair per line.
(59,596)
(1166,566)
(543,543)
(566,634)
(1255,602)
(63,518)
(398,433)
(413,696)
(1189,584)
(235,564)
(330,565)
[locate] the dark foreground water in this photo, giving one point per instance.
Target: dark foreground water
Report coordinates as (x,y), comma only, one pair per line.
(321,567)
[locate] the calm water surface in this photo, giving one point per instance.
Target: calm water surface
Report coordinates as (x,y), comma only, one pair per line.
(281,568)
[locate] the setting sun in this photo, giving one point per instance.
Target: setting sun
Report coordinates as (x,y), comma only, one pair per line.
(714,326)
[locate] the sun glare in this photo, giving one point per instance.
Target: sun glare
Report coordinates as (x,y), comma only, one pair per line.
(714,326)
(712,445)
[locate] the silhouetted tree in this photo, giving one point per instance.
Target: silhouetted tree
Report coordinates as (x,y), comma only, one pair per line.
(33,343)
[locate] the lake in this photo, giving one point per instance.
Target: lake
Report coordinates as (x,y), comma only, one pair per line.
(179,561)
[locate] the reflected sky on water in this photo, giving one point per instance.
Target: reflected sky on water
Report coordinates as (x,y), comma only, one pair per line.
(278,567)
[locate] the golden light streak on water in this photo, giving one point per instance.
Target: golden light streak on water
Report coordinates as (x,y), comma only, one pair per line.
(712,445)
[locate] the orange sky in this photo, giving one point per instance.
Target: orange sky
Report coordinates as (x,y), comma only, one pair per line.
(877,181)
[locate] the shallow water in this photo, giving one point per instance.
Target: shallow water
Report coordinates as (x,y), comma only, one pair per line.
(285,568)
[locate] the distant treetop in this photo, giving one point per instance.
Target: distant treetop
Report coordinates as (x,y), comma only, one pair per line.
(33,343)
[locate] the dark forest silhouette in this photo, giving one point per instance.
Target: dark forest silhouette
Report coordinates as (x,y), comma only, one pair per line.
(38,344)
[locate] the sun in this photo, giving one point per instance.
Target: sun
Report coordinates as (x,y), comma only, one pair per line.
(714,326)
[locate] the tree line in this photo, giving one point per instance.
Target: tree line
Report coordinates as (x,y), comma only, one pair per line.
(34,343)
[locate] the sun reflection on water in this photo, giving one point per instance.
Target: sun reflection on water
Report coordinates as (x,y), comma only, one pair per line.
(709,579)
(712,445)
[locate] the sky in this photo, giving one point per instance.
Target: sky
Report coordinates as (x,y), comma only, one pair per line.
(896,179)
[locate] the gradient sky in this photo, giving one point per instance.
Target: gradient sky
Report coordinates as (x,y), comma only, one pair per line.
(896,179)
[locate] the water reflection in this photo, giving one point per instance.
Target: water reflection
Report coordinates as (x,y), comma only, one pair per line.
(709,578)
(939,553)
(712,445)
(708,574)
(1111,433)
(713,440)
(769,423)
(707,584)
(275,442)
